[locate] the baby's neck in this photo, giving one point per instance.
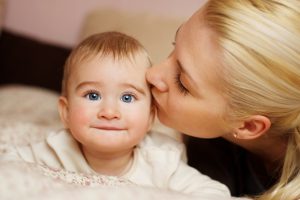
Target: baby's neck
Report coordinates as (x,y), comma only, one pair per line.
(116,164)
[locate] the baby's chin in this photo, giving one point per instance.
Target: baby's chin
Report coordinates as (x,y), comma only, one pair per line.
(110,132)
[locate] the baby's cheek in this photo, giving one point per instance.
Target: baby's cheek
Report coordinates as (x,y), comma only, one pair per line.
(79,116)
(141,121)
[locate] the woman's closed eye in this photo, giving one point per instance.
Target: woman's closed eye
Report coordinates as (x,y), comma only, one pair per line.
(180,86)
(92,95)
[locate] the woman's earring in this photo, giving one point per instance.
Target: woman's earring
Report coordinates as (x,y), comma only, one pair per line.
(235,135)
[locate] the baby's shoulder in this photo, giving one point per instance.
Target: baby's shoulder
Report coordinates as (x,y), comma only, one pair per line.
(162,142)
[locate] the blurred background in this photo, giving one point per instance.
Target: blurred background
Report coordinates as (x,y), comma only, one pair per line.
(36,36)
(60,21)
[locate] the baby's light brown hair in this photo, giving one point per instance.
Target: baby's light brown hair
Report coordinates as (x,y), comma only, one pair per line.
(116,44)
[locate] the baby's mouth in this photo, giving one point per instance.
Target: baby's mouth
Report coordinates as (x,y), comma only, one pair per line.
(108,128)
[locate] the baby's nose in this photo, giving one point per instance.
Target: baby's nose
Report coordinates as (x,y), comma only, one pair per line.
(109,112)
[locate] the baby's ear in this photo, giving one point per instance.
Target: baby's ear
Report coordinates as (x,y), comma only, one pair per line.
(252,127)
(63,110)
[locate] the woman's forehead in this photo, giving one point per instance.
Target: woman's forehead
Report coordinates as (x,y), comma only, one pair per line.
(198,51)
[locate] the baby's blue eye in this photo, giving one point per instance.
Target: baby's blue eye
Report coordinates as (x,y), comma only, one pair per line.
(92,96)
(127,98)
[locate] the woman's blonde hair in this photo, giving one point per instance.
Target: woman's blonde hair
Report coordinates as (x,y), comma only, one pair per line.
(260,44)
(116,44)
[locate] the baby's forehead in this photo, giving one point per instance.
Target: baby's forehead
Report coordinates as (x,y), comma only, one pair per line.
(121,67)
(130,57)
(137,57)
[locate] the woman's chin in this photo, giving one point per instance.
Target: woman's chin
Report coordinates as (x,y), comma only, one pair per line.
(164,120)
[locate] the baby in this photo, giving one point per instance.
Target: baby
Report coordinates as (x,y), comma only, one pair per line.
(107,112)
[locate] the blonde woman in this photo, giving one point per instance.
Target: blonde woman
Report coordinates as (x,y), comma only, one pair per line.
(235,73)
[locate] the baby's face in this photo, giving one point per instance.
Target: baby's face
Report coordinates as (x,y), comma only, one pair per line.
(109,104)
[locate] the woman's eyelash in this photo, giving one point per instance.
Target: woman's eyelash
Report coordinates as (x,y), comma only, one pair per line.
(181,87)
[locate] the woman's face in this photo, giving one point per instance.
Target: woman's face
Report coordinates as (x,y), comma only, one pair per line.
(187,87)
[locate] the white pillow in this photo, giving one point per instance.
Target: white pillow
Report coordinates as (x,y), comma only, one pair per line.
(29,104)
(27,114)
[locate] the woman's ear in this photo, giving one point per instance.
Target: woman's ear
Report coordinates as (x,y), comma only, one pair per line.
(63,110)
(252,127)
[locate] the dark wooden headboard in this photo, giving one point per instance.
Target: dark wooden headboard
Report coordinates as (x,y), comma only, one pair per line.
(25,60)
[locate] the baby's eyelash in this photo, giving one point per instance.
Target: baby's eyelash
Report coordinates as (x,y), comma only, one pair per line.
(90,91)
(180,86)
(131,94)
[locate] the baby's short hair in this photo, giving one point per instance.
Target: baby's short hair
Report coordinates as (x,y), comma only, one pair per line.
(112,43)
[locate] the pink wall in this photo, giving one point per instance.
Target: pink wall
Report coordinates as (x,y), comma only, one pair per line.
(59,21)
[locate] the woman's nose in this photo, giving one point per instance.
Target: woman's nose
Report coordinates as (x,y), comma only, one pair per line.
(156,76)
(109,111)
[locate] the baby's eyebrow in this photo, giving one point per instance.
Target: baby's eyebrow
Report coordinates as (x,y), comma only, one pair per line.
(125,85)
(86,83)
(137,88)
